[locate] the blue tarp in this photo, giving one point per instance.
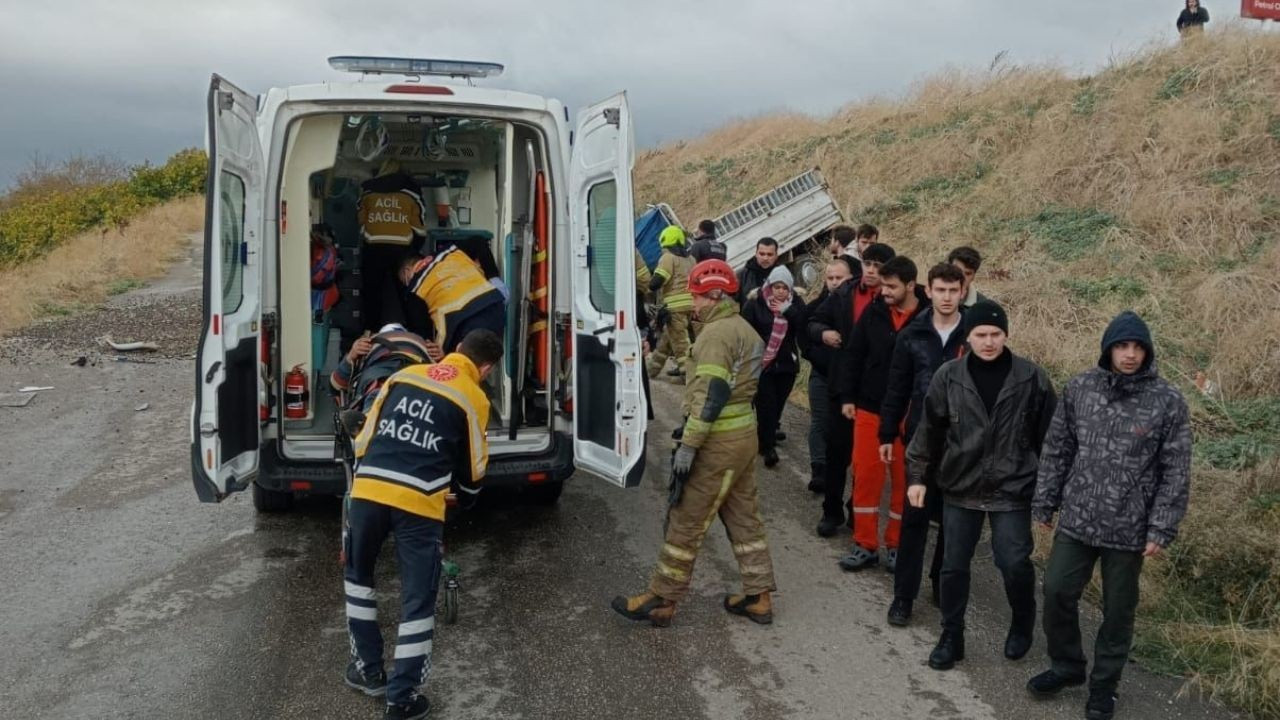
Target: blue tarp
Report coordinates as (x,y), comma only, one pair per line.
(648,227)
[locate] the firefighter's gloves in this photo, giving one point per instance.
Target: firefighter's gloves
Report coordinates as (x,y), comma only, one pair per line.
(682,463)
(664,316)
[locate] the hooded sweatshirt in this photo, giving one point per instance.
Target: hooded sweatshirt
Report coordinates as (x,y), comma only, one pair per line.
(1116,463)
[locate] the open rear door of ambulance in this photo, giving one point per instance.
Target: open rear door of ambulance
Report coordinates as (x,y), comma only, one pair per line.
(609,418)
(225,432)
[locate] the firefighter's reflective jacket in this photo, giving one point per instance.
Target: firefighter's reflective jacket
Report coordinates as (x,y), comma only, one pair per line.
(454,288)
(727,352)
(673,270)
(391,211)
(426,431)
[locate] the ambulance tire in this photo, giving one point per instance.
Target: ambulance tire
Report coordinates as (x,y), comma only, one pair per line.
(271,501)
(544,494)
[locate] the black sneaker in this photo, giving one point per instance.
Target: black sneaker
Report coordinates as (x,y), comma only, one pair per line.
(373,684)
(779,436)
(828,527)
(817,479)
(900,612)
(1101,705)
(770,458)
(416,709)
(1049,683)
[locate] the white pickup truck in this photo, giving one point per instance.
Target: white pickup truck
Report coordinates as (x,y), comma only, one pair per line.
(796,213)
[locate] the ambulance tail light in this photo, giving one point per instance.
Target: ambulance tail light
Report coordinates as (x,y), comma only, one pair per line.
(537,478)
(420,89)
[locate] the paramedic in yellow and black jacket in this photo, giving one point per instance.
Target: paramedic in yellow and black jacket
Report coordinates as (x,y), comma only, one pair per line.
(392,222)
(424,434)
(457,295)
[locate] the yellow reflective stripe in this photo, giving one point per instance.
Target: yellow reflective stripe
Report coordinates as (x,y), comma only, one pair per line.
(694,425)
(745,548)
(540,256)
(678,300)
(734,410)
(736,423)
(538,294)
(678,553)
(714,371)
(725,484)
(662,273)
(673,573)
(732,417)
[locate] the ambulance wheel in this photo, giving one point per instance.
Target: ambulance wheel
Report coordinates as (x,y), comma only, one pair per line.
(544,494)
(449,607)
(271,501)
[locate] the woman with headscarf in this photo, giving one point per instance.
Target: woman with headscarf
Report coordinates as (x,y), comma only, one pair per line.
(777,314)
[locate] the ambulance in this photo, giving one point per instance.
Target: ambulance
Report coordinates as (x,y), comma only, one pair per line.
(550,199)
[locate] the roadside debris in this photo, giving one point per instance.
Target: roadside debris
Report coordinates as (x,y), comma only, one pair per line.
(80,361)
(126,358)
(15,401)
(130,346)
(34,388)
(142,407)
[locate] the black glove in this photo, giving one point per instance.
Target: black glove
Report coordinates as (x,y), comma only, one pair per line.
(681,463)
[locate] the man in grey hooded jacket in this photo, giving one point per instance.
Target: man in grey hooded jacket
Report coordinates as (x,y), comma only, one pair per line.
(1116,468)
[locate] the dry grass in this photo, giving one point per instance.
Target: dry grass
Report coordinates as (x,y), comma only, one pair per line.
(1153,185)
(87,268)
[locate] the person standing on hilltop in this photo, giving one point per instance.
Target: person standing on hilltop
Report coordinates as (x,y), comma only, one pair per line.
(1116,469)
(1192,18)
(705,246)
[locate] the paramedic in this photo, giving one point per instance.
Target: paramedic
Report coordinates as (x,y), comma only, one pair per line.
(713,471)
(457,295)
(424,435)
(392,220)
(669,282)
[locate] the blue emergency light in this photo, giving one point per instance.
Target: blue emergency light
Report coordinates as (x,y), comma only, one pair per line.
(371,65)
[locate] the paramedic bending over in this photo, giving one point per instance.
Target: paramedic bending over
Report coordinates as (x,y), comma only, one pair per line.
(424,435)
(457,295)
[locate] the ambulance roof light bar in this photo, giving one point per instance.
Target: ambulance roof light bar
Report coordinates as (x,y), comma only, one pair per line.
(371,65)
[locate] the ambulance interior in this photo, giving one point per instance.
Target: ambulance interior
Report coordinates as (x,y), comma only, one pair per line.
(476,178)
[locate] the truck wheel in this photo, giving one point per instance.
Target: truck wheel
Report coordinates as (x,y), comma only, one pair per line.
(271,501)
(808,271)
(544,494)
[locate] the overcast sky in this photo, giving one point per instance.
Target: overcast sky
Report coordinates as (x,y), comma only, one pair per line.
(129,77)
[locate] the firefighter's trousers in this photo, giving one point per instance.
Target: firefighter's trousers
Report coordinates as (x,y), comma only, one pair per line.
(674,342)
(721,482)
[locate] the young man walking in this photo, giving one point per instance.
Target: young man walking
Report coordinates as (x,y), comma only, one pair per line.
(860,388)
(832,325)
(968,260)
(985,416)
(424,434)
(930,340)
(713,471)
(1116,470)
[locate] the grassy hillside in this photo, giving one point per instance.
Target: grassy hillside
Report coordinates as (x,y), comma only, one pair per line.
(1153,185)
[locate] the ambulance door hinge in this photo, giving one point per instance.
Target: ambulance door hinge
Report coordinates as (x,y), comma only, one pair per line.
(613,116)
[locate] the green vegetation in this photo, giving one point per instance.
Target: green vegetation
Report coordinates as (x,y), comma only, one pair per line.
(35,219)
(1068,233)
(1127,289)
(1177,83)
(123,285)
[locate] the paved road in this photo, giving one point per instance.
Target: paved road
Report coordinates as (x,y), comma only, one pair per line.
(125,598)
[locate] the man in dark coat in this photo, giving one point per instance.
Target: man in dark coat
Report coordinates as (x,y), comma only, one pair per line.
(985,416)
(820,356)
(1116,469)
(930,340)
(1192,18)
(752,275)
(705,246)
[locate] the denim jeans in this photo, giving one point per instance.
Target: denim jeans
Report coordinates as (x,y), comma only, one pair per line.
(1011,544)
(418,554)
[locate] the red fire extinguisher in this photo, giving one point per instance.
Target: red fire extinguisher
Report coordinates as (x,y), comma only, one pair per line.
(296,394)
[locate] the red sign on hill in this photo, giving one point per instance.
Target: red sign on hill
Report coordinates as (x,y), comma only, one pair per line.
(1260,9)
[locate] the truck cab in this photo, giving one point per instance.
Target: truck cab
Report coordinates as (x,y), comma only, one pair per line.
(551,203)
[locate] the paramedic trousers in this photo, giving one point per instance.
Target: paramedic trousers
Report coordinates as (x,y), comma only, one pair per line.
(418,555)
(771,399)
(839,450)
(1068,572)
(819,423)
(382,291)
(491,317)
(673,344)
(721,483)
(1011,545)
(912,545)
(868,484)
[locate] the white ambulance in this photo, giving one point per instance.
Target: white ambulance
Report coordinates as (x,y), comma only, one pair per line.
(490,159)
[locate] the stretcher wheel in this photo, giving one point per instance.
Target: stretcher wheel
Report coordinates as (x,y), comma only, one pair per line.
(449,604)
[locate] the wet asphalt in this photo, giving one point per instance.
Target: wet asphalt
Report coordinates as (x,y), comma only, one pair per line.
(124,597)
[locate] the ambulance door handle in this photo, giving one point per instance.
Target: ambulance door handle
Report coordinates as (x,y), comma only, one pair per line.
(213,370)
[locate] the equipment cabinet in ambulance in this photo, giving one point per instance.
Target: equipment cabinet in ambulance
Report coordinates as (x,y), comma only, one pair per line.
(501,168)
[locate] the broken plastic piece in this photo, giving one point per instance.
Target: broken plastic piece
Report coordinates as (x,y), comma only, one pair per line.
(34,388)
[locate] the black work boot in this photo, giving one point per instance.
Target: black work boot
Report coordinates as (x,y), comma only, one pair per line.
(948,651)
(1049,683)
(1018,641)
(770,458)
(416,709)
(829,526)
(900,612)
(817,478)
(1101,705)
(645,607)
(372,682)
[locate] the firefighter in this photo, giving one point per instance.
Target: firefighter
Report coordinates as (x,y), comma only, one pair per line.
(669,280)
(713,471)
(424,436)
